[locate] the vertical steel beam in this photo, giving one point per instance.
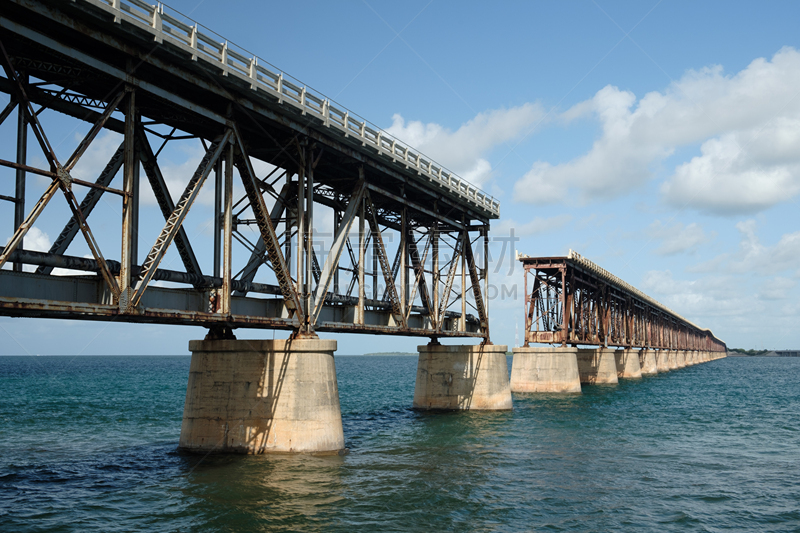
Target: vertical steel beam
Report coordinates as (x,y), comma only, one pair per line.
(301,228)
(403,254)
(435,275)
(22,154)
(361,258)
(309,240)
(336,223)
(466,243)
(135,208)
(128,174)
(218,192)
(485,234)
(227,251)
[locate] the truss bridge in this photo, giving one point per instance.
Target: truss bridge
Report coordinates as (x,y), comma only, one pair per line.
(403,239)
(572,301)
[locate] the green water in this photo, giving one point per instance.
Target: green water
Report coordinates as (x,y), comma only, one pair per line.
(89,444)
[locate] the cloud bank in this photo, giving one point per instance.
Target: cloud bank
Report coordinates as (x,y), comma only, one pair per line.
(745,125)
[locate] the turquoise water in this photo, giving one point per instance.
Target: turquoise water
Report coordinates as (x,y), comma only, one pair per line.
(89,444)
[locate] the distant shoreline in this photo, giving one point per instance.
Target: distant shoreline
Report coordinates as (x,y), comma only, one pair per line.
(392,353)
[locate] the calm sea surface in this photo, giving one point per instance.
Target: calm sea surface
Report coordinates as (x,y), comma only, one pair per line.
(89,444)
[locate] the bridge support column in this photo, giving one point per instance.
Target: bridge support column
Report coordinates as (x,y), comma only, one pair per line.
(597,366)
(672,359)
(262,396)
(647,362)
(680,358)
(662,361)
(462,377)
(545,370)
(627,361)
(694,358)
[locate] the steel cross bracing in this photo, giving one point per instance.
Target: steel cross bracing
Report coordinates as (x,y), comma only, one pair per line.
(571,301)
(401,258)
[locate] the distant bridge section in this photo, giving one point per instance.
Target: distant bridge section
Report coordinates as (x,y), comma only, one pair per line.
(572,301)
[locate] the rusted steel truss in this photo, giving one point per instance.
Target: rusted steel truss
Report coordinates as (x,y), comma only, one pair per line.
(571,301)
(401,259)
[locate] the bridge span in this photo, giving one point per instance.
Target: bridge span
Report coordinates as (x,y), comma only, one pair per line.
(603,329)
(403,256)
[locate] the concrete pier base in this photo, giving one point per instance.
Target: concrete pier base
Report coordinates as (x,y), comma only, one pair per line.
(627,362)
(462,377)
(597,366)
(647,362)
(672,359)
(662,361)
(262,396)
(680,359)
(545,370)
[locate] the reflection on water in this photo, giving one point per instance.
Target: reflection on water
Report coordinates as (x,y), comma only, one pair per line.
(295,491)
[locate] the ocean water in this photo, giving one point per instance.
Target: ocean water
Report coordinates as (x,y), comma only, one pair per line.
(89,444)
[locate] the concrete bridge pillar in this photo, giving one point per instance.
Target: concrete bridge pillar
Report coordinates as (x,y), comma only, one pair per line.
(545,370)
(662,361)
(647,362)
(680,358)
(597,366)
(462,377)
(672,359)
(627,361)
(262,396)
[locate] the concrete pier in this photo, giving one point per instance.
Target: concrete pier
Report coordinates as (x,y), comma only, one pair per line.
(462,377)
(262,396)
(597,366)
(545,370)
(662,361)
(647,362)
(680,359)
(672,359)
(627,361)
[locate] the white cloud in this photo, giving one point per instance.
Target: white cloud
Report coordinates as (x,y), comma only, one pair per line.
(464,150)
(755,257)
(35,240)
(777,288)
(715,295)
(747,125)
(677,238)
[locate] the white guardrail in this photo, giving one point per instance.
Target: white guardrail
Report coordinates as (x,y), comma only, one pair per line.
(165,25)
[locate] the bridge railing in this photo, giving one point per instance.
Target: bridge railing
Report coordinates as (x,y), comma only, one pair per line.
(200,43)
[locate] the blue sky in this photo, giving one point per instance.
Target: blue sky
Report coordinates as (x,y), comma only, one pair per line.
(659,139)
